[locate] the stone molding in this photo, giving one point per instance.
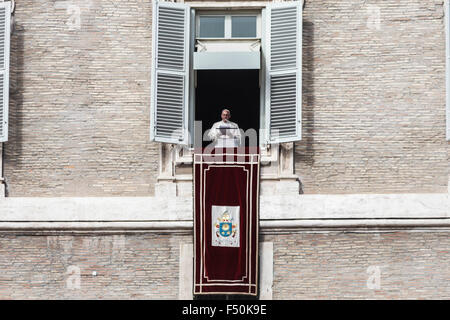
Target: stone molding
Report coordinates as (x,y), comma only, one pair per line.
(165,213)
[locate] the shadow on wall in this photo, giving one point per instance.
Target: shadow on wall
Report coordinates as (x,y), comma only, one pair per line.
(13,147)
(304,149)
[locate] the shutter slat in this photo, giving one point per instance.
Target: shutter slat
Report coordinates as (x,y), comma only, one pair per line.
(283,35)
(284,72)
(171,35)
(5,18)
(170,72)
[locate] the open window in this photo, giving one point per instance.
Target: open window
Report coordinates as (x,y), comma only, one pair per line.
(227,65)
(5,25)
(237,90)
(196,53)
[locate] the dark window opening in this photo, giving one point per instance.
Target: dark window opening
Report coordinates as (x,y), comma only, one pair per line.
(236,90)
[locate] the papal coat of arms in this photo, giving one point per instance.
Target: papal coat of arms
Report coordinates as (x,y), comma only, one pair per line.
(225,226)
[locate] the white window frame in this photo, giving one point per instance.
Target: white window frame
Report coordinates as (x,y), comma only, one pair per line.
(228,15)
(241,12)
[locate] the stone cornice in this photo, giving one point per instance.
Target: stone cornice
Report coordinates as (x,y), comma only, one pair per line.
(285,212)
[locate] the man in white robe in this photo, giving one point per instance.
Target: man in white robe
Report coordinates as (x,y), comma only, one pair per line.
(225,134)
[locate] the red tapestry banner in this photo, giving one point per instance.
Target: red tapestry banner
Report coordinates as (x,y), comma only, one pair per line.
(226,207)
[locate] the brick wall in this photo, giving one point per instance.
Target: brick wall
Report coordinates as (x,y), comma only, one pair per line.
(80,96)
(373,98)
(335,265)
(127,266)
(339,265)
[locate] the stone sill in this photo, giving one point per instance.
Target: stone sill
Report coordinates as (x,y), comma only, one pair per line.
(319,208)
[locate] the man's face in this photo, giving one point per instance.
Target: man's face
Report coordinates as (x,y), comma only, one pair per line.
(225,116)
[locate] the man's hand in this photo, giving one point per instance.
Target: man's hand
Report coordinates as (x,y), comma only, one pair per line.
(223,131)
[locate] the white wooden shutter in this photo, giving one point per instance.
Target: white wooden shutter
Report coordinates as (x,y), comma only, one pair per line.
(283,71)
(170,73)
(5,29)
